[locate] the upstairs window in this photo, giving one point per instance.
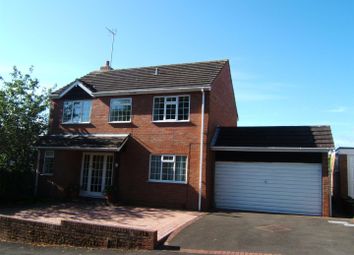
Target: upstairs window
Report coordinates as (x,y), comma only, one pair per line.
(168,168)
(78,111)
(120,110)
(48,162)
(171,108)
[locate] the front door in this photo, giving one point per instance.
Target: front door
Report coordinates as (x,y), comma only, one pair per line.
(96,173)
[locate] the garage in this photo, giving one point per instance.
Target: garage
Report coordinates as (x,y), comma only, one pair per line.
(269,187)
(273,169)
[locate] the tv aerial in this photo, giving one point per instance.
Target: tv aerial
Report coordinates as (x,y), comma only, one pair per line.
(113,32)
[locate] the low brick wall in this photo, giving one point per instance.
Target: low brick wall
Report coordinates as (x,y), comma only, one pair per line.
(76,234)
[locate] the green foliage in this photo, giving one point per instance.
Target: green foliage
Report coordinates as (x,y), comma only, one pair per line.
(23,117)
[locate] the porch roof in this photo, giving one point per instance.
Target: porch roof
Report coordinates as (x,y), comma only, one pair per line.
(83,142)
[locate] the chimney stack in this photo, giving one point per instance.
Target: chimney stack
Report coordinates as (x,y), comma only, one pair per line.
(106,67)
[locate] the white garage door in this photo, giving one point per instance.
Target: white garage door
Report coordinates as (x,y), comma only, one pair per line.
(293,188)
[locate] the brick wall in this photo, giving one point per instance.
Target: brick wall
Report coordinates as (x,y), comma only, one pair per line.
(222,112)
(343,175)
(325,186)
(76,234)
(159,138)
(65,180)
(222,104)
(147,137)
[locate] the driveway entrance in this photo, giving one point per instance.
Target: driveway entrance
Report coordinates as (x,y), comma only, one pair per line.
(266,233)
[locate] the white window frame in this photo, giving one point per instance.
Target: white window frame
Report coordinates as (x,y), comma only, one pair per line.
(174,168)
(72,112)
(176,103)
(131,110)
(46,156)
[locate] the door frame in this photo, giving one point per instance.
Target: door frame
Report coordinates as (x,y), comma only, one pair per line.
(86,193)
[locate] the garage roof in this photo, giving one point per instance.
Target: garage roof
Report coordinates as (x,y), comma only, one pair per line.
(274,138)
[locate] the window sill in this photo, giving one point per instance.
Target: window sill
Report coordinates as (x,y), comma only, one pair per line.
(119,122)
(46,174)
(75,123)
(166,182)
(170,121)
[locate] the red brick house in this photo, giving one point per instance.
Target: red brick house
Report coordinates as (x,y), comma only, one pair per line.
(168,136)
(143,130)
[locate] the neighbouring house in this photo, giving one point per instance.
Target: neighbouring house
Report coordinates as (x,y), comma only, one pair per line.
(167,136)
(344,178)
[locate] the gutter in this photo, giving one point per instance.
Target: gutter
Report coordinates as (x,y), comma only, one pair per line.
(141,91)
(269,149)
(201,152)
(89,135)
(79,148)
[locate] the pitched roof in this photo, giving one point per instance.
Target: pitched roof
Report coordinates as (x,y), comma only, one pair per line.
(275,136)
(83,142)
(191,75)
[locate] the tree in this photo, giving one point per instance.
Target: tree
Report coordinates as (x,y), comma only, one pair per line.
(23,117)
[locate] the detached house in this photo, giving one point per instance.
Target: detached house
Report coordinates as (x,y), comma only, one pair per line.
(145,131)
(168,136)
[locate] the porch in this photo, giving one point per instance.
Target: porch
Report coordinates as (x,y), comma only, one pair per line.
(72,165)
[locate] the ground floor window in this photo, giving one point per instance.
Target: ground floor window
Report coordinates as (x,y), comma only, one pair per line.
(168,168)
(96,173)
(48,162)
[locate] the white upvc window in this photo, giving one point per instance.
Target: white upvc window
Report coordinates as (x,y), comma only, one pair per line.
(168,168)
(120,110)
(171,108)
(77,111)
(48,163)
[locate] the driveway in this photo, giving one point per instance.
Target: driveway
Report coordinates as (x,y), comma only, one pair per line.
(265,233)
(164,221)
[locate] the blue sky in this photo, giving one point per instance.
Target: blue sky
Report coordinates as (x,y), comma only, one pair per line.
(292,61)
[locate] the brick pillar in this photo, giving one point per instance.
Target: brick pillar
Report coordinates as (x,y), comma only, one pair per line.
(325,186)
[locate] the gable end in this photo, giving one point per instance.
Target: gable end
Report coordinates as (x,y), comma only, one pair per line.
(76,84)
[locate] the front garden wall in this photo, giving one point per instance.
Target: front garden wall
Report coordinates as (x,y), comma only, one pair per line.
(76,234)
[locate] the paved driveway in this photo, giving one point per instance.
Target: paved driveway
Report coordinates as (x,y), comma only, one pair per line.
(164,221)
(266,233)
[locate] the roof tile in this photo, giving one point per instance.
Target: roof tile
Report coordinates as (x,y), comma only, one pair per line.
(169,76)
